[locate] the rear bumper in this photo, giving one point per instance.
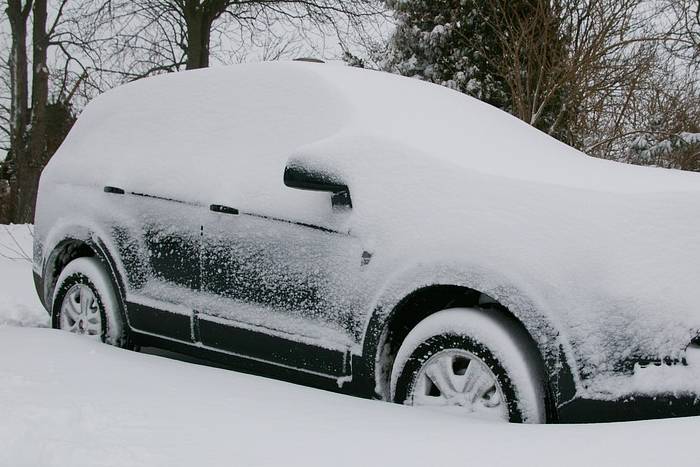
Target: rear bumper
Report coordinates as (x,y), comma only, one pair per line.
(652,391)
(643,407)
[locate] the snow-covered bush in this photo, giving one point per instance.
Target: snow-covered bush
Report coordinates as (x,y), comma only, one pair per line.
(447,42)
(680,150)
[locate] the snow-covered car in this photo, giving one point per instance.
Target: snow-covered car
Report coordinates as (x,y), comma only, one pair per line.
(377,234)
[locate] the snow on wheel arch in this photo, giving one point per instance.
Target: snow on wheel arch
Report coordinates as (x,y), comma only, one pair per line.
(95,271)
(509,344)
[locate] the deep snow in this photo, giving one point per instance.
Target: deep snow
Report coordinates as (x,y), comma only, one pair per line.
(19,304)
(67,401)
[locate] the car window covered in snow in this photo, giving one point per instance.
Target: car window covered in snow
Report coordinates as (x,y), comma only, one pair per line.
(212,137)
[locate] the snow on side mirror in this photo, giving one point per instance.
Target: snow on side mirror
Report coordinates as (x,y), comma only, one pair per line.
(302,178)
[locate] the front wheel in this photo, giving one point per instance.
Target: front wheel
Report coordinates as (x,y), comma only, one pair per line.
(471,362)
(86,303)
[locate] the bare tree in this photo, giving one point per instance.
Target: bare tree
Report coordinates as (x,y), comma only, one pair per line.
(5,99)
(584,71)
(572,56)
(18,12)
(663,126)
(683,17)
(31,134)
(155,36)
(650,116)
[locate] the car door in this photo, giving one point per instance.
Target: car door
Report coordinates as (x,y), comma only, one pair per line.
(164,269)
(282,290)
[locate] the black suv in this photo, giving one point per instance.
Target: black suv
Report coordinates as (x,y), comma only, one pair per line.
(388,237)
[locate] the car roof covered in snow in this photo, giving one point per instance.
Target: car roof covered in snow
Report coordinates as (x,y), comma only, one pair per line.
(166,131)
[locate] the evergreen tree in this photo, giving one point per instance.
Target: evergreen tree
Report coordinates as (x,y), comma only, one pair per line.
(447,42)
(492,50)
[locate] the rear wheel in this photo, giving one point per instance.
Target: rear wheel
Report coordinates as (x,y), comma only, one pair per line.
(86,303)
(471,362)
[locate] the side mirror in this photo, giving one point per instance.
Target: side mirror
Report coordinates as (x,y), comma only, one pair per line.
(302,178)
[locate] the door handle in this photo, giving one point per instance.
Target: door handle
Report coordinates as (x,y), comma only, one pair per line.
(114,190)
(223,209)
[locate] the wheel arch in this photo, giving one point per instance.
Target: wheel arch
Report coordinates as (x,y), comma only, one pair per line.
(72,242)
(406,302)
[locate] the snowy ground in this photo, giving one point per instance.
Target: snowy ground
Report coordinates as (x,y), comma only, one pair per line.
(67,401)
(19,304)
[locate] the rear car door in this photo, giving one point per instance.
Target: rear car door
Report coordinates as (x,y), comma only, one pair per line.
(161,253)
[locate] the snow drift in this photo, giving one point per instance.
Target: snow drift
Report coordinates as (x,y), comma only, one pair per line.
(67,401)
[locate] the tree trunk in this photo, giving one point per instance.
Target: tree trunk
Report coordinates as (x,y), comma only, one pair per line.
(17,14)
(19,111)
(199,24)
(29,167)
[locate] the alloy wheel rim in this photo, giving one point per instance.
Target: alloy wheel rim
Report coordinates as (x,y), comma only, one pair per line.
(460,382)
(80,312)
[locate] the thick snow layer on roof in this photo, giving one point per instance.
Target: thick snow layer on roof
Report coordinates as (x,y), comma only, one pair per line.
(173,130)
(450,126)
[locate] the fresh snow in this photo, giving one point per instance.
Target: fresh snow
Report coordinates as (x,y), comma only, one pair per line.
(67,401)
(19,303)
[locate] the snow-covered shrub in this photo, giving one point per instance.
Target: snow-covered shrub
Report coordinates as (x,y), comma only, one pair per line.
(680,150)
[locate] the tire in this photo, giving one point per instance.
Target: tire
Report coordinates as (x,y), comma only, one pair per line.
(485,366)
(85,302)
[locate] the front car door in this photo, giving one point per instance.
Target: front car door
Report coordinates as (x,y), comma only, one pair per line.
(282,290)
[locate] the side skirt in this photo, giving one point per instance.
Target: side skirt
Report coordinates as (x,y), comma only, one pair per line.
(273,348)
(246,349)
(231,361)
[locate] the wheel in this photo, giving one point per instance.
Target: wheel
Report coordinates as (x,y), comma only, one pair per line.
(471,362)
(85,303)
